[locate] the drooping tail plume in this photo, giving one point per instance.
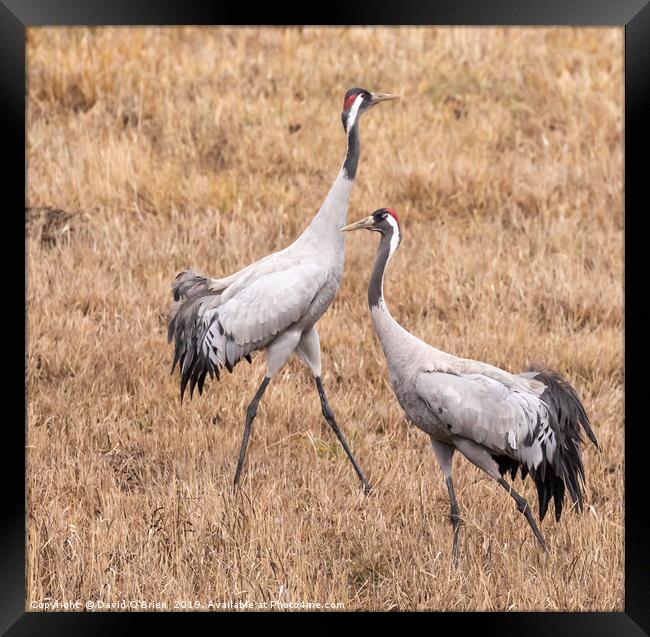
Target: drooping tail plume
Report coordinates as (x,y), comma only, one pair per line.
(566,469)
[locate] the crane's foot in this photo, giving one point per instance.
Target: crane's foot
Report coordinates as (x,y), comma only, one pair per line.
(367,488)
(454,517)
(455,520)
(240,466)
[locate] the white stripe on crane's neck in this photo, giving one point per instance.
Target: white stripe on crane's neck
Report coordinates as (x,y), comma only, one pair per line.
(395,238)
(353,113)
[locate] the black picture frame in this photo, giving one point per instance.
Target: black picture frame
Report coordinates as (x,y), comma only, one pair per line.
(633,15)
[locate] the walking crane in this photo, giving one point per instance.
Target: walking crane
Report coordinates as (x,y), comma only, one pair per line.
(499,421)
(273,304)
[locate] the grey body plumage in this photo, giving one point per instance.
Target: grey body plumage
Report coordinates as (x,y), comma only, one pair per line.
(272,304)
(500,421)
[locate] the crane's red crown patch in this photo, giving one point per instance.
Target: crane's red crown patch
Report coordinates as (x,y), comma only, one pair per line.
(349,100)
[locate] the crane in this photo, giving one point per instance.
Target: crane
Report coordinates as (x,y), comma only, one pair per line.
(273,304)
(499,421)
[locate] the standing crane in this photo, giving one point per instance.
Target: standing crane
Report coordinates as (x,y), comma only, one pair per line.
(272,304)
(499,421)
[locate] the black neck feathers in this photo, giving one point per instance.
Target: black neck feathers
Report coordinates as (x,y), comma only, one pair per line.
(352,155)
(375,289)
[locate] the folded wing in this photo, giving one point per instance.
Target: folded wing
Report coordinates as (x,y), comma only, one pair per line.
(214,329)
(484,410)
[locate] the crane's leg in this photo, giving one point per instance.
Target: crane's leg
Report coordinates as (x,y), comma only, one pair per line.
(331,421)
(309,351)
(445,454)
(251,412)
(482,458)
(524,507)
(277,354)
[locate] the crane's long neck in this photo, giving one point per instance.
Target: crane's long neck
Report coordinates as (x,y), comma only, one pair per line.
(394,338)
(376,302)
(326,226)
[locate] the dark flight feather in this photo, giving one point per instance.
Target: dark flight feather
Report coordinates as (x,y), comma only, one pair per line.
(565,471)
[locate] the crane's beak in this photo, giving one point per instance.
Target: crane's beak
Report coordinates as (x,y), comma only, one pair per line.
(375,98)
(368,222)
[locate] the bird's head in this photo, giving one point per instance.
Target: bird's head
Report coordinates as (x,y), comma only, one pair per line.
(357,101)
(384,221)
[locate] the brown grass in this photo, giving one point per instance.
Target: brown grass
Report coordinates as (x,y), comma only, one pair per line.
(163,149)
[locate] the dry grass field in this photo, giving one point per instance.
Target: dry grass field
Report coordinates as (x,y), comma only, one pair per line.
(156,150)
